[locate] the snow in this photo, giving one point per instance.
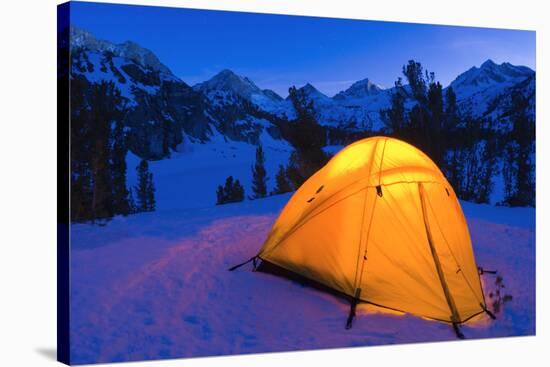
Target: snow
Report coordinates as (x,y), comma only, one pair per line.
(359,89)
(126,88)
(81,39)
(476,88)
(190,177)
(155,285)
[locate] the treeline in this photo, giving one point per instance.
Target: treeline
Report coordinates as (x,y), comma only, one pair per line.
(98,156)
(471,152)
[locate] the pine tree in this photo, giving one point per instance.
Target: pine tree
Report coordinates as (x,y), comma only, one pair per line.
(450,164)
(118,171)
(308,139)
(259,176)
(104,101)
(166,134)
(435,133)
(151,202)
(422,126)
(228,190)
(131,202)
(237,194)
(81,151)
(220,195)
(97,167)
(282,185)
(231,192)
(414,73)
(145,189)
(452,119)
(519,167)
(488,165)
(394,117)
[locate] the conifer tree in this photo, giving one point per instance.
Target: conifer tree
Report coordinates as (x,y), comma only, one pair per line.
(131,202)
(145,189)
(97,150)
(282,185)
(422,126)
(259,176)
(104,101)
(151,202)
(231,192)
(519,168)
(488,164)
(220,195)
(394,117)
(120,192)
(308,139)
(237,193)
(81,151)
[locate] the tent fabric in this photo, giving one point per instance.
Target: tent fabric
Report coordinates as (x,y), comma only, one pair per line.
(381,223)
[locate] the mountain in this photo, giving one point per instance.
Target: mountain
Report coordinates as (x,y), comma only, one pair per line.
(500,107)
(313,94)
(227,81)
(81,39)
(226,87)
(478,89)
(359,90)
(164,111)
(488,75)
(346,113)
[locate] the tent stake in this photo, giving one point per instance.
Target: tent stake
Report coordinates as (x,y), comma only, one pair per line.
(457,330)
(353,307)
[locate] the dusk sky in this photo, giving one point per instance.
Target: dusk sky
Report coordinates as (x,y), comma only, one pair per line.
(277,51)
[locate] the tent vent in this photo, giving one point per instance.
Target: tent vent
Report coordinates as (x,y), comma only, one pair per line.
(379,190)
(310,200)
(447,190)
(320,189)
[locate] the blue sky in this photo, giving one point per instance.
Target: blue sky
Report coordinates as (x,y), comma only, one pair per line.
(279,51)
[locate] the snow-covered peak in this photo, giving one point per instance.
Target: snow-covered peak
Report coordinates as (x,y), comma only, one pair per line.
(358,90)
(81,39)
(313,93)
(227,80)
(227,83)
(487,75)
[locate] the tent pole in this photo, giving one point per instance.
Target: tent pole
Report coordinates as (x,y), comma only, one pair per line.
(455,318)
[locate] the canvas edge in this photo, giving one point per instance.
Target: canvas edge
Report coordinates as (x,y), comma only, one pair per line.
(63,188)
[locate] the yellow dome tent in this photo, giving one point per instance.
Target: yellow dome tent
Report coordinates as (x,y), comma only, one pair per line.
(381,224)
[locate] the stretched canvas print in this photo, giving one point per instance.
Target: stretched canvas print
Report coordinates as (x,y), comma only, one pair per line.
(235,183)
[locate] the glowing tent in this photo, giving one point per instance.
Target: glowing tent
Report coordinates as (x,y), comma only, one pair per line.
(381,224)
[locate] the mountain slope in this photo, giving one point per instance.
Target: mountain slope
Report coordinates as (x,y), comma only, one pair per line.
(81,39)
(227,88)
(163,111)
(359,90)
(477,88)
